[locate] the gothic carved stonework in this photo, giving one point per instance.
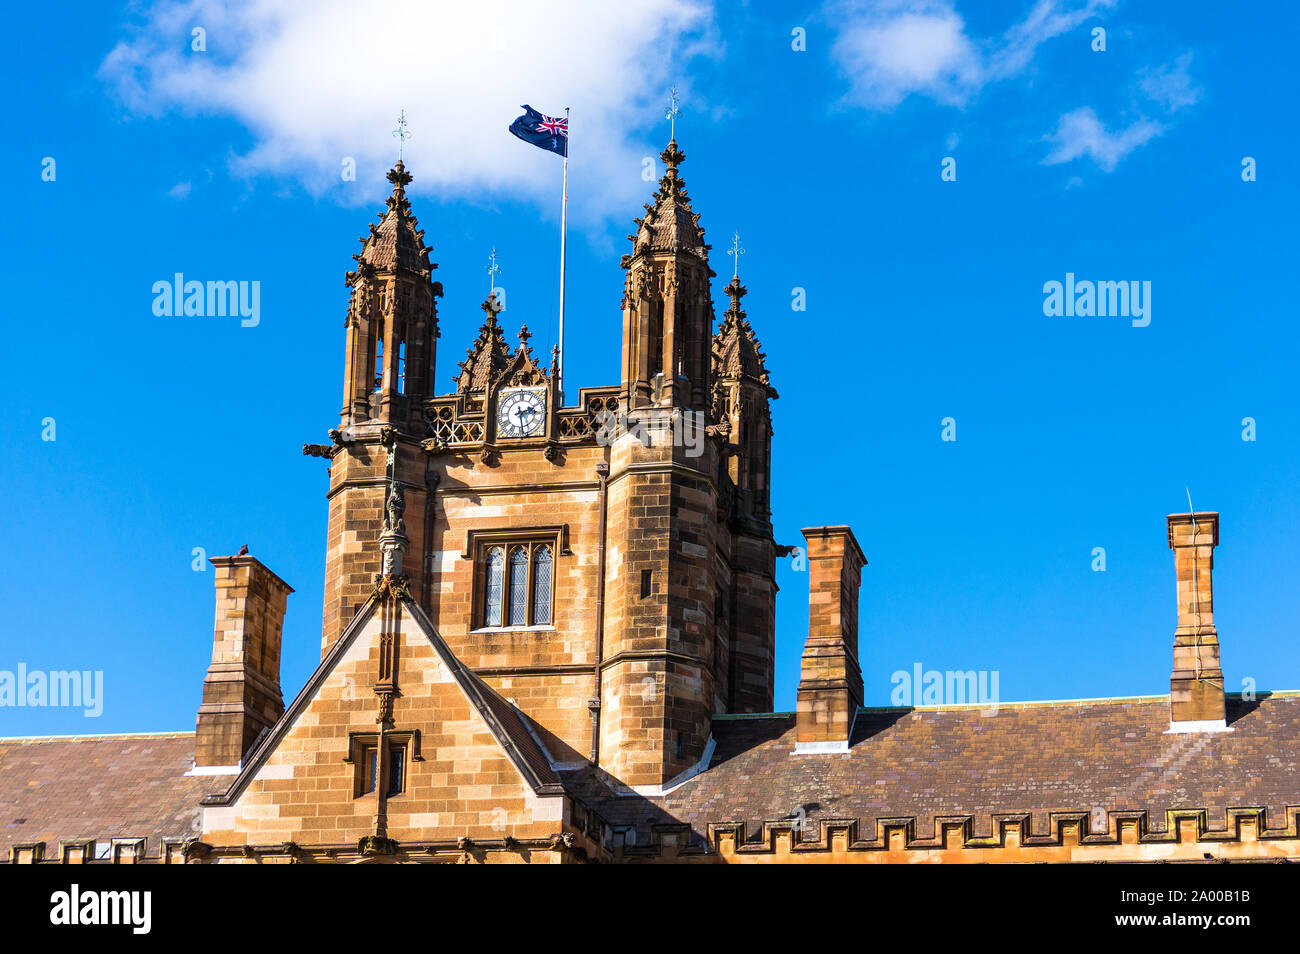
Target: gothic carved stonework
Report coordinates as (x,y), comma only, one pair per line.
(670,224)
(488,357)
(392,316)
(522,370)
(396,241)
(391,587)
(371,845)
(737,353)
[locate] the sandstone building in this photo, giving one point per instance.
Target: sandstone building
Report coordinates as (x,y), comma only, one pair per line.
(549,630)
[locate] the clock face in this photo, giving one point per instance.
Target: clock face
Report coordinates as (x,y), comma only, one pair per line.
(521,412)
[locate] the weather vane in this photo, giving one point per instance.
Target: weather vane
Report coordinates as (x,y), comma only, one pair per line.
(492,269)
(401,133)
(736,251)
(671,111)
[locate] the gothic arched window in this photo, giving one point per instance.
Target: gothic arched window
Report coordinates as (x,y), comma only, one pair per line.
(493,586)
(515,581)
(542,585)
(518,587)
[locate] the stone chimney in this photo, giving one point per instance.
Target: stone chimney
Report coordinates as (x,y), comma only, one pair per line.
(830,682)
(1196,689)
(241,694)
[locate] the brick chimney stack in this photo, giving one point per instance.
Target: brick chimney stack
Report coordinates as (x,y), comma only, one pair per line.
(830,683)
(1196,702)
(241,694)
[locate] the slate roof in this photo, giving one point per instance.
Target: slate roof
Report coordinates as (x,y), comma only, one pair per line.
(1030,758)
(1035,758)
(100,787)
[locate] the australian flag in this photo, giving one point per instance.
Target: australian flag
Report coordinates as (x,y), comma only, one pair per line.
(544,132)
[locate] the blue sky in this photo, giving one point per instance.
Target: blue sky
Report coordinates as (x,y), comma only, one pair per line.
(924,301)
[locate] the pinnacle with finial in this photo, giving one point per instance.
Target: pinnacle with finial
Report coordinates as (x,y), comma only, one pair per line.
(735,291)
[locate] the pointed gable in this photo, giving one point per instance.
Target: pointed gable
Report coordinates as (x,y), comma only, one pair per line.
(523,369)
(472,767)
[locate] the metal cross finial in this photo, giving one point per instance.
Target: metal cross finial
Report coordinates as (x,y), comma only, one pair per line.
(671,111)
(401,133)
(492,269)
(736,251)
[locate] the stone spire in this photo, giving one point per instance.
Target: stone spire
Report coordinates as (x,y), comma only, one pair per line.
(397,241)
(670,223)
(737,352)
(490,354)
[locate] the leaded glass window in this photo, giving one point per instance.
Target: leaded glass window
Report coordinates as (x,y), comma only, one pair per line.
(494,585)
(541,585)
(519,587)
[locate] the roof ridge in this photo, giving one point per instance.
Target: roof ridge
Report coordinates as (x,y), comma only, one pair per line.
(166,734)
(1260,695)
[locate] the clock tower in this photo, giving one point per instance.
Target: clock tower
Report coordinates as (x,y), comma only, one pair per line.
(606,566)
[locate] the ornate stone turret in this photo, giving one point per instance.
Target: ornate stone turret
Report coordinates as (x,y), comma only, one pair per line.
(667,308)
(741,406)
(392,319)
(662,648)
(741,392)
(388,375)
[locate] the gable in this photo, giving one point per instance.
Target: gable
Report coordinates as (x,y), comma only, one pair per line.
(472,768)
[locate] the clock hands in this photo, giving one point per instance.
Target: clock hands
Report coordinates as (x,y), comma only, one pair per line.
(521,413)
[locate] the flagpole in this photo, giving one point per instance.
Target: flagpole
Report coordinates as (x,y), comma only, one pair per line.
(564,231)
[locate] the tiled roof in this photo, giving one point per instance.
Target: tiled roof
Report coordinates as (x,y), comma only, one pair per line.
(1038,759)
(511,731)
(1027,758)
(100,787)
(912,763)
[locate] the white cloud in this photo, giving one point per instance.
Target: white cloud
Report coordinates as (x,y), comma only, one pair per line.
(892,49)
(1080,133)
(319,82)
(180,190)
(1171,85)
